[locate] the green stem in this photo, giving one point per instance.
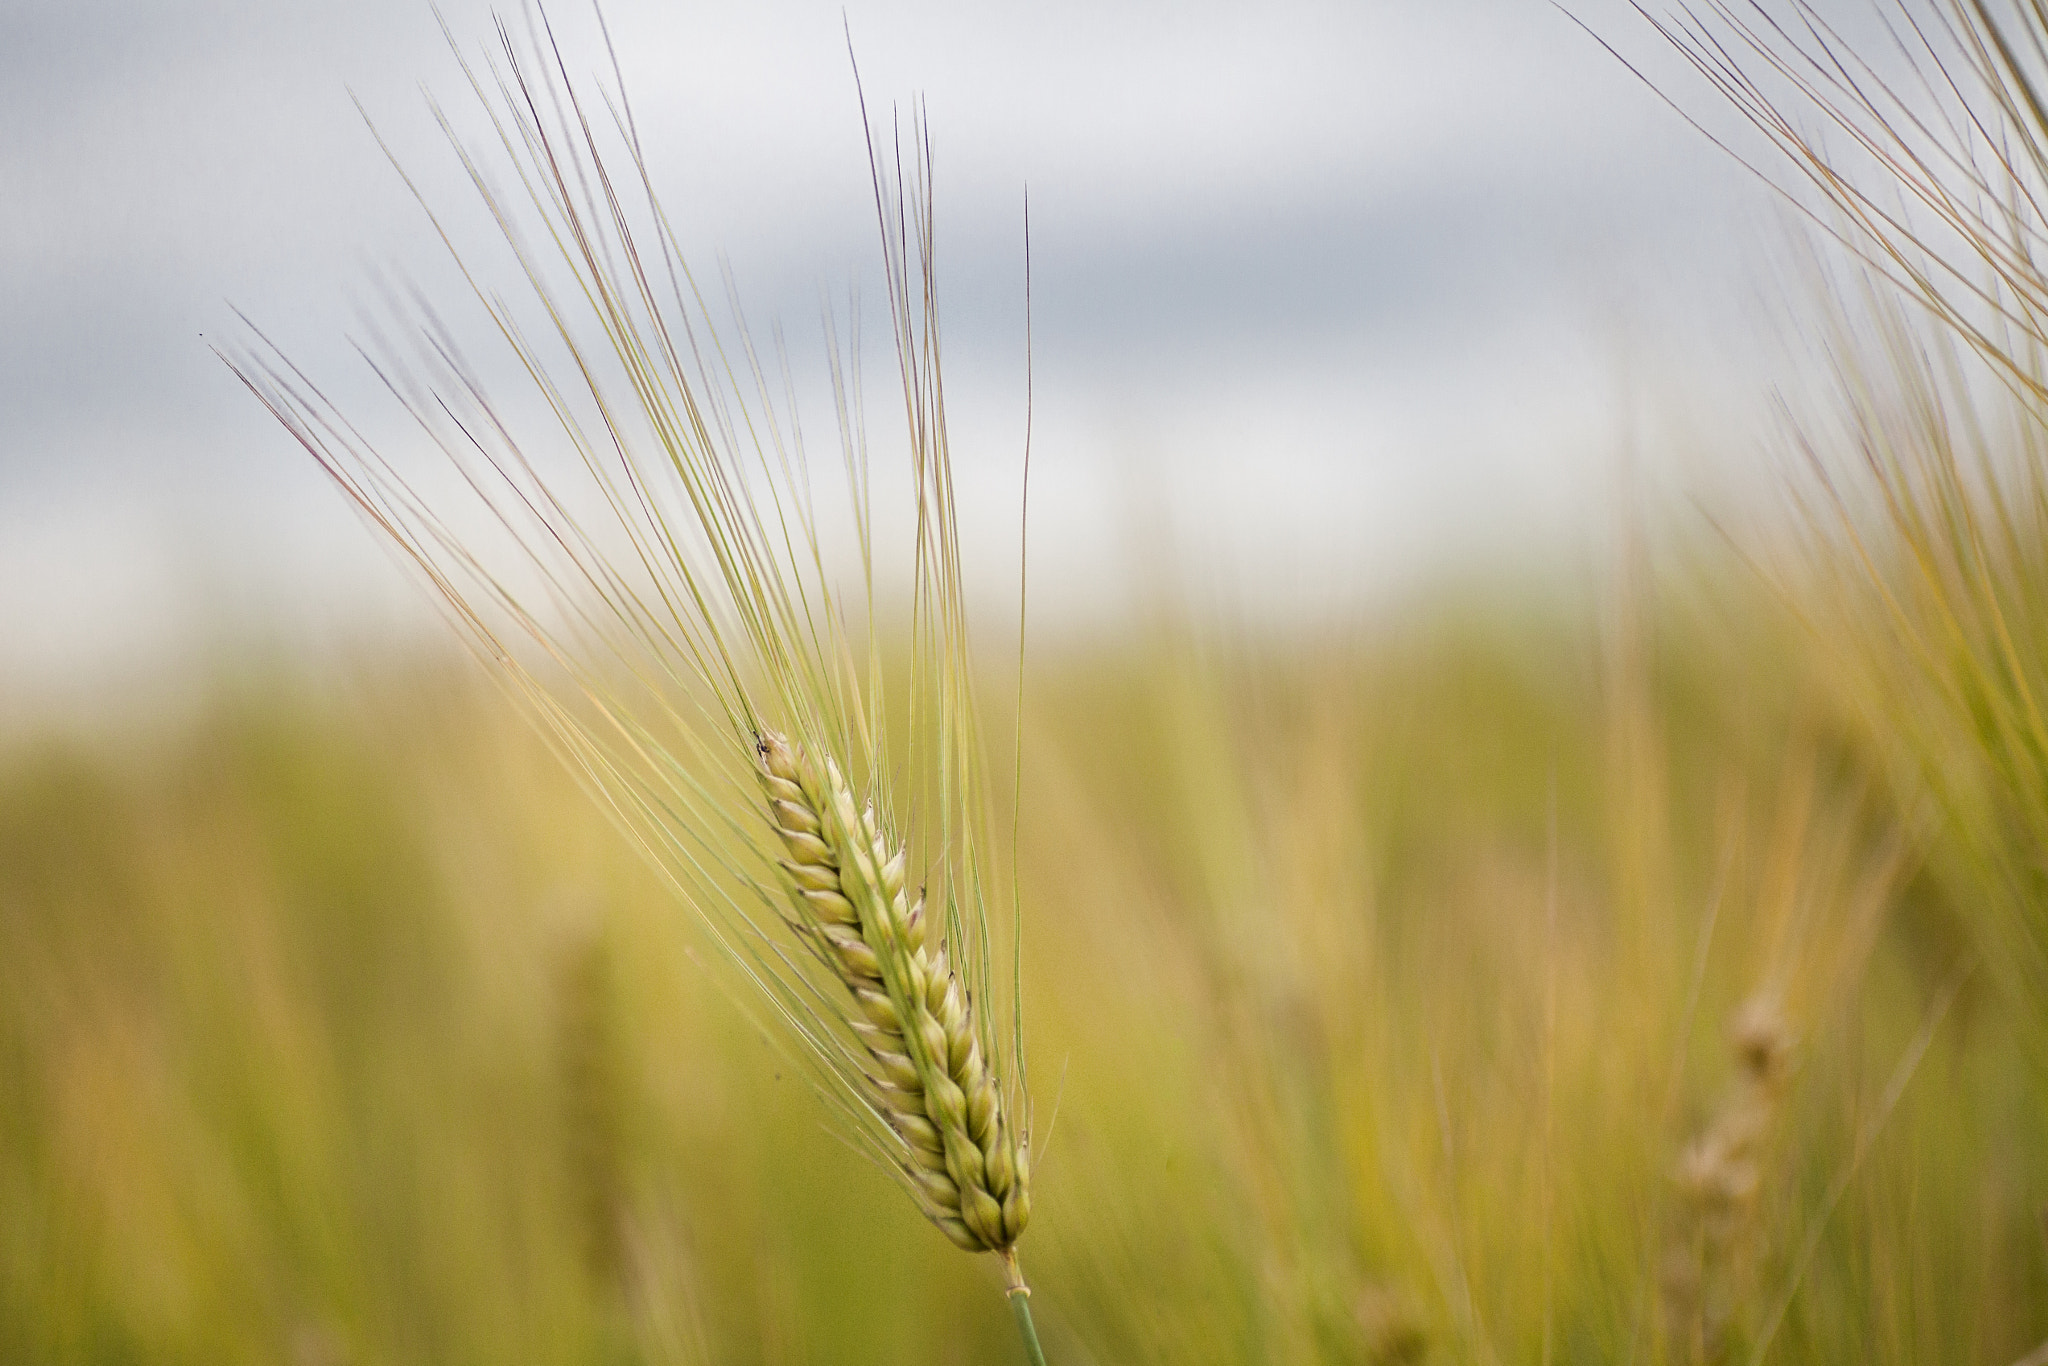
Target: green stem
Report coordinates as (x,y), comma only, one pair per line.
(1020,1305)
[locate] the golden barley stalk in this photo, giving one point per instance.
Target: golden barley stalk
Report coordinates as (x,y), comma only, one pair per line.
(669,614)
(1925,158)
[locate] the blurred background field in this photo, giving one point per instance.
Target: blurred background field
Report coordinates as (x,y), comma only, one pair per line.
(1481,907)
(1390,987)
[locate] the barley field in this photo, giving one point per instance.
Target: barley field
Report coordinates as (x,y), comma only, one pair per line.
(1506,984)
(1645,966)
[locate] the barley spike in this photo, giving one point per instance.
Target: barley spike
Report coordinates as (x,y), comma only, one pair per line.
(961,1157)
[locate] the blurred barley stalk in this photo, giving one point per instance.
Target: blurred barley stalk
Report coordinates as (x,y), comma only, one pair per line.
(648,571)
(1921,147)
(1709,1272)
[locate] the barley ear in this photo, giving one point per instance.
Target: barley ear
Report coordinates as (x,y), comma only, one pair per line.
(960,1156)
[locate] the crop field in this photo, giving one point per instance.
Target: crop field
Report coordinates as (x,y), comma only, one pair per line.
(1501,986)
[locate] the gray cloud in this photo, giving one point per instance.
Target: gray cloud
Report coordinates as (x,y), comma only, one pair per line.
(1228,202)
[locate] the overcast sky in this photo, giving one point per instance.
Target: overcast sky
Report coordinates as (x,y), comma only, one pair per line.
(1353,292)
